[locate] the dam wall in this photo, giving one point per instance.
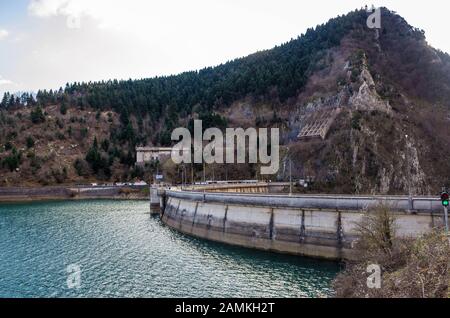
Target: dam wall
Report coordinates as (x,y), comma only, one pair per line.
(313,226)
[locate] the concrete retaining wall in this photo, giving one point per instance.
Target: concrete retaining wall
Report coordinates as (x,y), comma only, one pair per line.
(304,226)
(17,194)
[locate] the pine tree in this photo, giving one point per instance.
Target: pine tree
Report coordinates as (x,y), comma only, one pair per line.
(4,103)
(37,116)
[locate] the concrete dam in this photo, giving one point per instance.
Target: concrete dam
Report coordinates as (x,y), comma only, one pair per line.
(308,225)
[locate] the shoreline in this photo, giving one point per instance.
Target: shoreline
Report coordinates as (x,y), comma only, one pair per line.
(72,193)
(61,199)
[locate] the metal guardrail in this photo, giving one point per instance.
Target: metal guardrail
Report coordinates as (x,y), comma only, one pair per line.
(337,202)
(242,185)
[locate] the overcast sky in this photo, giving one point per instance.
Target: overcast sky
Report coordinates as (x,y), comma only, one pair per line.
(47,43)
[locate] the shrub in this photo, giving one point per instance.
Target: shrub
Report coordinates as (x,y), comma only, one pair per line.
(105,145)
(409,268)
(137,172)
(37,116)
(59,176)
(12,162)
(60,136)
(59,123)
(12,135)
(30,142)
(84,132)
(81,167)
(8,146)
(35,164)
(356,119)
(63,109)
(98,163)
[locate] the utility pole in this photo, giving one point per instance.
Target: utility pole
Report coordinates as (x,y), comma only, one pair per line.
(185,176)
(408,172)
(204,181)
(157,174)
(192,175)
(290,176)
(204,172)
(182,178)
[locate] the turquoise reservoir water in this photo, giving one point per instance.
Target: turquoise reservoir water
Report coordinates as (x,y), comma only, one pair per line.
(121,251)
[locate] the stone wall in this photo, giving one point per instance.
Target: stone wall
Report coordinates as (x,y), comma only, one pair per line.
(18,194)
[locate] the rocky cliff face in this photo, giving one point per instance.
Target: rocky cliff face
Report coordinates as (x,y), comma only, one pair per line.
(385,138)
(368,149)
(366,97)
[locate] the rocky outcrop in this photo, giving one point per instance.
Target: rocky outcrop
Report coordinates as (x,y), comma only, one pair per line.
(367,98)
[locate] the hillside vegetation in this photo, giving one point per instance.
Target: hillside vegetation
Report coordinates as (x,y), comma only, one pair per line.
(408,268)
(390,136)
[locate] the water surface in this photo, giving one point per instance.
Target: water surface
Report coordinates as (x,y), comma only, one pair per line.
(124,252)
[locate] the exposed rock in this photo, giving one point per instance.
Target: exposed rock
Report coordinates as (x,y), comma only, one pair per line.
(367,98)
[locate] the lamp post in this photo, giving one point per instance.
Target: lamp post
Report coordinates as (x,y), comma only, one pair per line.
(290,171)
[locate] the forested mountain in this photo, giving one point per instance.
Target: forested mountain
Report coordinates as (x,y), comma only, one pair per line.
(392,90)
(280,72)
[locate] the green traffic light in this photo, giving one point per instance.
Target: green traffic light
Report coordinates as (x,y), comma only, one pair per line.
(445,203)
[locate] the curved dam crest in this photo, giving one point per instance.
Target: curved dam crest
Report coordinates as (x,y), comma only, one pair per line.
(313,226)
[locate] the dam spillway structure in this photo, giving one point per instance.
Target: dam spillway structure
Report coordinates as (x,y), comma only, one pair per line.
(155,200)
(318,226)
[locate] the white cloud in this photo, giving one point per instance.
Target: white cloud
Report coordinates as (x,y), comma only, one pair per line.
(107,12)
(3,34)
(4,81)
(165,37)
(47,8)
(141,38)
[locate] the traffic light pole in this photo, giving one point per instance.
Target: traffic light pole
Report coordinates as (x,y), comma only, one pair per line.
(445,202)
(446,219)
